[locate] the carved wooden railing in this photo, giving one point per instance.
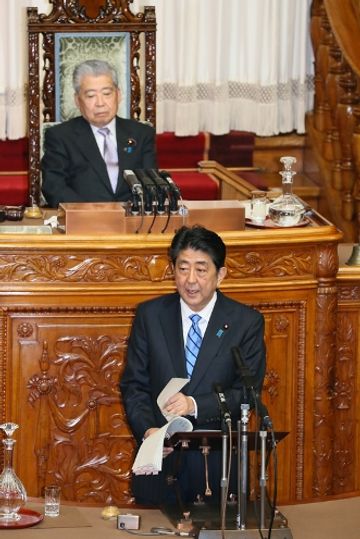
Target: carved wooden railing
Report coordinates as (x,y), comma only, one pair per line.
(334,125)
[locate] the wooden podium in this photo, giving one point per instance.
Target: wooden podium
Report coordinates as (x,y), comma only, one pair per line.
(116,218)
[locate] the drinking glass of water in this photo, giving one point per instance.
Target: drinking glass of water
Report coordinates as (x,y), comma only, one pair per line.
(258,206)
(52,501)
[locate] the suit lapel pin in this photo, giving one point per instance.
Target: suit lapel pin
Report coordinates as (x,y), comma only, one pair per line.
(130,145)
(220,332)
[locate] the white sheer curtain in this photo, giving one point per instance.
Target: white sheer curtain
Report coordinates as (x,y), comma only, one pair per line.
(232,64)
(13,65)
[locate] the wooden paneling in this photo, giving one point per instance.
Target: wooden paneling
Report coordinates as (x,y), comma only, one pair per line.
(65,374)
(347,378)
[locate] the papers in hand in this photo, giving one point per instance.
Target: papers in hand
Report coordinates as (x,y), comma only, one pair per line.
(173,386)
(149,458)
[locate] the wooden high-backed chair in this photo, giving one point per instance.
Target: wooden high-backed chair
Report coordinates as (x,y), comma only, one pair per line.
(80,30)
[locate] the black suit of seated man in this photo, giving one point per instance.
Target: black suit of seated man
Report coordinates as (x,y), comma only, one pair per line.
(73,167)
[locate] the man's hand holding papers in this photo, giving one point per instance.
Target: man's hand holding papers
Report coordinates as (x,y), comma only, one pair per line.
(151,452)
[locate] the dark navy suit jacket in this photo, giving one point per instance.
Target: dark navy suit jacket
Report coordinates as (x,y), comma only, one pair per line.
(73,169)
(156,354)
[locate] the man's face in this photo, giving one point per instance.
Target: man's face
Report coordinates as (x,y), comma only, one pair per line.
(196,278)
(98,99)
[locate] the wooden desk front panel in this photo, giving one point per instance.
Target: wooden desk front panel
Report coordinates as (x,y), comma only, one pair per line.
(63,391)
(65,315)
(346,395)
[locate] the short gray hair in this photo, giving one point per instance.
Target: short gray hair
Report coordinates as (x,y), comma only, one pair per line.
(94,68)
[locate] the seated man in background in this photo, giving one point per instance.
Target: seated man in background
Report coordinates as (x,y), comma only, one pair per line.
(84,157)
(161,347)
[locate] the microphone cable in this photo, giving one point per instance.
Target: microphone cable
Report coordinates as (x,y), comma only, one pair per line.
(273,452)
(167,220)
(164,191)
(156,532)
(154,199)
(275,469)
(142,213)
(137,532)
(153,219)
(149,193)
(272,503)
(256,449)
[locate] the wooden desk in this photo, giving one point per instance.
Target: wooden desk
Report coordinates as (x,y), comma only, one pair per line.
(66,307)
(84,522)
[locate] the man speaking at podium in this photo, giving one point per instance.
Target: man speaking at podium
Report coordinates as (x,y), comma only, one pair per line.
(84,157)
(190,334)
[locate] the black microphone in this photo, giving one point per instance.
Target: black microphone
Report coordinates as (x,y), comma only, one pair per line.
(244,371)
(135,188)
(266,422)
(162,188)
(250,383)
(175,194)
(222,404)
(149,190)
(133,182)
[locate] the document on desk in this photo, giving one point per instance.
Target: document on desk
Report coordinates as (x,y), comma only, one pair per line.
(149,458)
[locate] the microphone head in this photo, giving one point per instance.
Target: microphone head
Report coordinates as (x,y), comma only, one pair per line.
(167,177)
(174,191)
(133,182)
(247,377)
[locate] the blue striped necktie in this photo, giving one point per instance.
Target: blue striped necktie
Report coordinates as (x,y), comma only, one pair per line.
(193,343)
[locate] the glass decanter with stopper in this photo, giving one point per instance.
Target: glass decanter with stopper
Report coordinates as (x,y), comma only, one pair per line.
(12,492)
(287,209)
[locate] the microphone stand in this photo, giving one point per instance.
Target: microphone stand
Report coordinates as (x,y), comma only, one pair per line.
(242,443)
(224,479)
(262,482)
(226,431)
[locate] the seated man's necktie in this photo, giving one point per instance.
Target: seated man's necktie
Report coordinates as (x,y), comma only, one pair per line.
(110,156)
(193,343)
